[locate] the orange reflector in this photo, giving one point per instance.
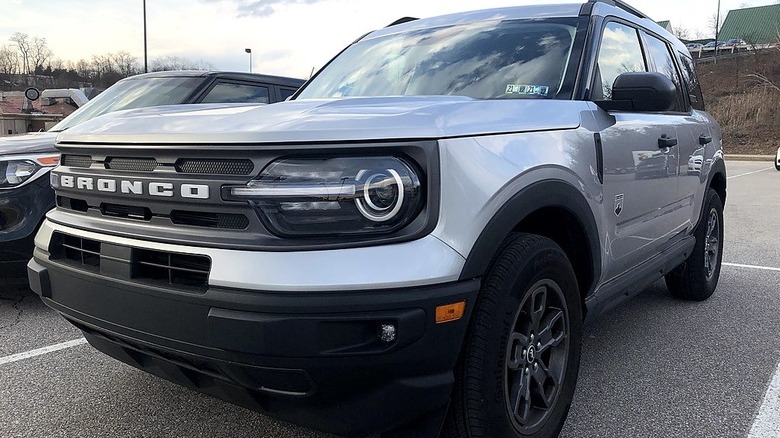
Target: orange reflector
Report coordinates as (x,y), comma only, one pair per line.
(450,312)
(49,161)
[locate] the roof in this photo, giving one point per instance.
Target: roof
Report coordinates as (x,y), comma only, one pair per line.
(759,25)
(254,77)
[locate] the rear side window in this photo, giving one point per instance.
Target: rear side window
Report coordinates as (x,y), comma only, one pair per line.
(690,78)
(225,92)
(620,53)
(664,63)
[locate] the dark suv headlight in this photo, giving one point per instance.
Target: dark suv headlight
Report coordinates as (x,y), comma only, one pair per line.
(16,171)
(335,196)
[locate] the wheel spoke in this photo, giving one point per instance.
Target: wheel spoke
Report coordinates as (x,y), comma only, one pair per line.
(551,332)
(521,390)
(516,346)
(538,306)
(544,385)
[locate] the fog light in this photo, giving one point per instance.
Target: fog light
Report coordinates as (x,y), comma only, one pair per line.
(387,333)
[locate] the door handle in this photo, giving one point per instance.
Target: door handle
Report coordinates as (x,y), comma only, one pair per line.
(666,142)
(705,139)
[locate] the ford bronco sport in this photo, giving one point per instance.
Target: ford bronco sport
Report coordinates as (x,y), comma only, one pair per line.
(411,245)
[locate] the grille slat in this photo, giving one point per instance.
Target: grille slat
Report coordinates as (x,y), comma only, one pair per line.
(183,271)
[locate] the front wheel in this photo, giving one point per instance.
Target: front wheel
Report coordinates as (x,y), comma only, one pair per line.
(777,159)
(519,367)
(697,278)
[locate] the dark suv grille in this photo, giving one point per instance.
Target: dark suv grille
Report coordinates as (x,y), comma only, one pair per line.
(76,160)
(132,164)
(183,271)
(214,167)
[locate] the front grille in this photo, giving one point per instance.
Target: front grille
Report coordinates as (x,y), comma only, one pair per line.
(210,220)
(132,164)
(214,167)
(183,271)
(175,269)
(79,205)
(84,252)
(126,212)
(76,160)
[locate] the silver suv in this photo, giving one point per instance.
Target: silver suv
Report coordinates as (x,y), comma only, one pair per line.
(411,245)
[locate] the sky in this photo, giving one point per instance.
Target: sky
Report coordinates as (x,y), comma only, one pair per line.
(287,37)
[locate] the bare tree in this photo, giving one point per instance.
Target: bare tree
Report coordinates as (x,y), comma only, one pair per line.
(126,64)
(9,61)
(173,63)
(22,43)
(682,33)
(40,54)
(713,25)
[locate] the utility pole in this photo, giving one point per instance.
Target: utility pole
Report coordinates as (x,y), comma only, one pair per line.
(146,61)
(250,59)
(717,31)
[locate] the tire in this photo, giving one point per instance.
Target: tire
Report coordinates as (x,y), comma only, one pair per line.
(697,278)
(529,272)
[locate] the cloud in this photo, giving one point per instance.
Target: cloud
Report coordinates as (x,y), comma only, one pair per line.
(261,8)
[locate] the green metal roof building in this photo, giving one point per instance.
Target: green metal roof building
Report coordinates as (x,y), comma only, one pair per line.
(759,25)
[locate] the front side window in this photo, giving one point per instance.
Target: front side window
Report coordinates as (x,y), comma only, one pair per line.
(620,53)
(225,92)
(516,59)
(662,60)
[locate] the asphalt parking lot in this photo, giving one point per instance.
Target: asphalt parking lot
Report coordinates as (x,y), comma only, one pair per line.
(655,367)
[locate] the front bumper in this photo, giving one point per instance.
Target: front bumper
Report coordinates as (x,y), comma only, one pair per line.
(21,212)
(311,358)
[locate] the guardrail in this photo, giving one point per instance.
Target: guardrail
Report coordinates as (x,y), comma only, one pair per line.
(709,52)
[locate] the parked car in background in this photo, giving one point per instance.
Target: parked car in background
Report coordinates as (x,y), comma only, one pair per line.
(25,160)
(735,42)
(713,44)
(777,159)
(694,46)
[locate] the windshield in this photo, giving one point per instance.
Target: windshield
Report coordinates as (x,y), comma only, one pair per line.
(132,93)
(519,59)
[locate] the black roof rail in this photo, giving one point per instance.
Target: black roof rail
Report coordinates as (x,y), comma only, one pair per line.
(402,21)
(587,8)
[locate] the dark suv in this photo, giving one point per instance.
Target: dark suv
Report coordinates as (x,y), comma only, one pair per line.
(25,160)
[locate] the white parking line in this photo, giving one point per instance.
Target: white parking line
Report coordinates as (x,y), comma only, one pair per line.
(749,173)
(763,268)
(40,351)
(767,422)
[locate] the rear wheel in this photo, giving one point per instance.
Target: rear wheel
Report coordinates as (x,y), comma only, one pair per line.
(777,159)
(697,278)
(521,358)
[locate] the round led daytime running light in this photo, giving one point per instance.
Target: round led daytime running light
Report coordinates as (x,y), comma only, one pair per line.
(367,199)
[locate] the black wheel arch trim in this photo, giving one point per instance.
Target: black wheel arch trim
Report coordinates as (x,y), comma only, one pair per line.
(718,169)
(544,194)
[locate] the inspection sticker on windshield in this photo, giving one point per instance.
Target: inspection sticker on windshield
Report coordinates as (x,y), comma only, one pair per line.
(528,90)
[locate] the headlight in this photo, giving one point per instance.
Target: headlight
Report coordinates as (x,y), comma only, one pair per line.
(15,171)
(334,196)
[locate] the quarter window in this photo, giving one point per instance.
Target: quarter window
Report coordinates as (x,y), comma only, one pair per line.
(620,53)
(664,63)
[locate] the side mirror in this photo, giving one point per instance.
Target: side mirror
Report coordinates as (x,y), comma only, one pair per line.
(641,92)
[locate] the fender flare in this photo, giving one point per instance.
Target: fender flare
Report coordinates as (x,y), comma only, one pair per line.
(544,194)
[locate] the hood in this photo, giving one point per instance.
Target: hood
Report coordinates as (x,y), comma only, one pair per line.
(348,119)
(31,143)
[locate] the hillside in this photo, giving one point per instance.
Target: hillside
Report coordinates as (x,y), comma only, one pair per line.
(747,107)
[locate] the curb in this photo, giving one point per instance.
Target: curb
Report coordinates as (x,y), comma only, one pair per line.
(739,157)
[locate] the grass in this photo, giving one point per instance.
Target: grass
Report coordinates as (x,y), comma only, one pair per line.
(743,95)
